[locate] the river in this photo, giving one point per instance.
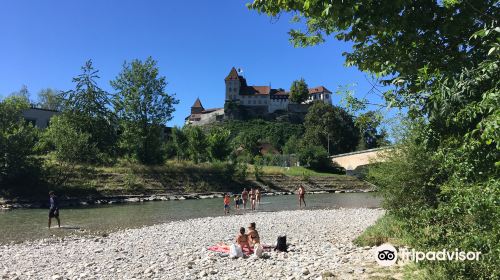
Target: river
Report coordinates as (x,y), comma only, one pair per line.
(29,224)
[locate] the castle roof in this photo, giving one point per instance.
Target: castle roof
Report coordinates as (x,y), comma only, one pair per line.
(255,90)
(233,75)
(197,104)
(318,89)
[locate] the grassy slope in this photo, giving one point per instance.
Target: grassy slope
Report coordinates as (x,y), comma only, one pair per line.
(185,177)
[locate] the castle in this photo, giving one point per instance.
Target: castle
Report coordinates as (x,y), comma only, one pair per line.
(260,99)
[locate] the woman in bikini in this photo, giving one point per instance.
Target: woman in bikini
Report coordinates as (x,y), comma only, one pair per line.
(253,197)
(258,195)
(253,235)
(302,193)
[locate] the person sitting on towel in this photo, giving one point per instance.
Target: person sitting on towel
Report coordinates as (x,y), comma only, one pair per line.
(242,239)
(253,235)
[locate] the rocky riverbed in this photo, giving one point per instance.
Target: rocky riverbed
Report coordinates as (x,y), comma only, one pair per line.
(320,247)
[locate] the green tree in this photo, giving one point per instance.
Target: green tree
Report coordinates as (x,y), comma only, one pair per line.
(143,108)
(258,166)
(22,93)
(197,143)
(50,99)
(393,39)
(314,157)
(69,144)
(372,136)
(249,140)
(219,144)
(17,141)
(299,91)
(86,108)
(441,183)
(330,124)
(180,143)
(292,146)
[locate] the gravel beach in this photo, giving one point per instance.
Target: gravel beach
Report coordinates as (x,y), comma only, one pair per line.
(320,246)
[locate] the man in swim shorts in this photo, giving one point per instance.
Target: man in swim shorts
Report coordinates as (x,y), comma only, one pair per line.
(54,209)
(244,197)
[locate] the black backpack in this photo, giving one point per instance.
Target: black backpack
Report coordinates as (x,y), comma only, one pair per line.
(281,244)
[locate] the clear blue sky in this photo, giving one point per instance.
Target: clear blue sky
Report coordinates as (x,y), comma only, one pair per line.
(44,44)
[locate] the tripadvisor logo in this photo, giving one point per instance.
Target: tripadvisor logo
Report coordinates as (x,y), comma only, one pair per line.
(387,255)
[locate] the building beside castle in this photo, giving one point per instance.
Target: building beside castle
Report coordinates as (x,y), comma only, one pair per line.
(261,99)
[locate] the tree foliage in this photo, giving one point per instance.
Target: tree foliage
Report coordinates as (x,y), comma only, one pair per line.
(69,144)
(395,39)
(50,99)
(22,93)
(324,122)
(219,145)
(87,110)
(197,143)
(180,143)
(441,58)
(17,142)
(299,91)
(143,107)
(371,135)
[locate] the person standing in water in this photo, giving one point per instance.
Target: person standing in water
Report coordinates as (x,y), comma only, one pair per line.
(237,202)
(227,202)
(258,195)
(54,209)
(244,197)
(252,198)
(302,193)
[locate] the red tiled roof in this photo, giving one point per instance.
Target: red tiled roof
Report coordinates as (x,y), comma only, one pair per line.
(318,90)
(255,90)
(197,104)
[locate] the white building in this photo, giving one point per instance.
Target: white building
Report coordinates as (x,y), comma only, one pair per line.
(238,91)
(202,116)
(261,98)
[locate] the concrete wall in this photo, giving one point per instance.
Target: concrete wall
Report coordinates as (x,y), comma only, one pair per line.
(278,104)
(350,161)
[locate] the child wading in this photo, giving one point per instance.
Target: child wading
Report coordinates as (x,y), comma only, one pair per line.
(227,201)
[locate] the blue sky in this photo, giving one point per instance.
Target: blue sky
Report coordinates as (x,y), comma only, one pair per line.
(44,44)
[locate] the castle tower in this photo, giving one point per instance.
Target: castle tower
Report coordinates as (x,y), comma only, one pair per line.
(233,85)
(197,108)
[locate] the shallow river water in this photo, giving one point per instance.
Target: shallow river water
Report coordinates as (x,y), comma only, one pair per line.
(28,224)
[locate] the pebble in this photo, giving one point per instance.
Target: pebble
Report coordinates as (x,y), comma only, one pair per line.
(320,245)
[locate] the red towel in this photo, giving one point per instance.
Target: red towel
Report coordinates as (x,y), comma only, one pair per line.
(223,248)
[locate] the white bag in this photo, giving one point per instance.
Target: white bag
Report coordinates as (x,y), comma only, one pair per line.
(235,251)
(257,250)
